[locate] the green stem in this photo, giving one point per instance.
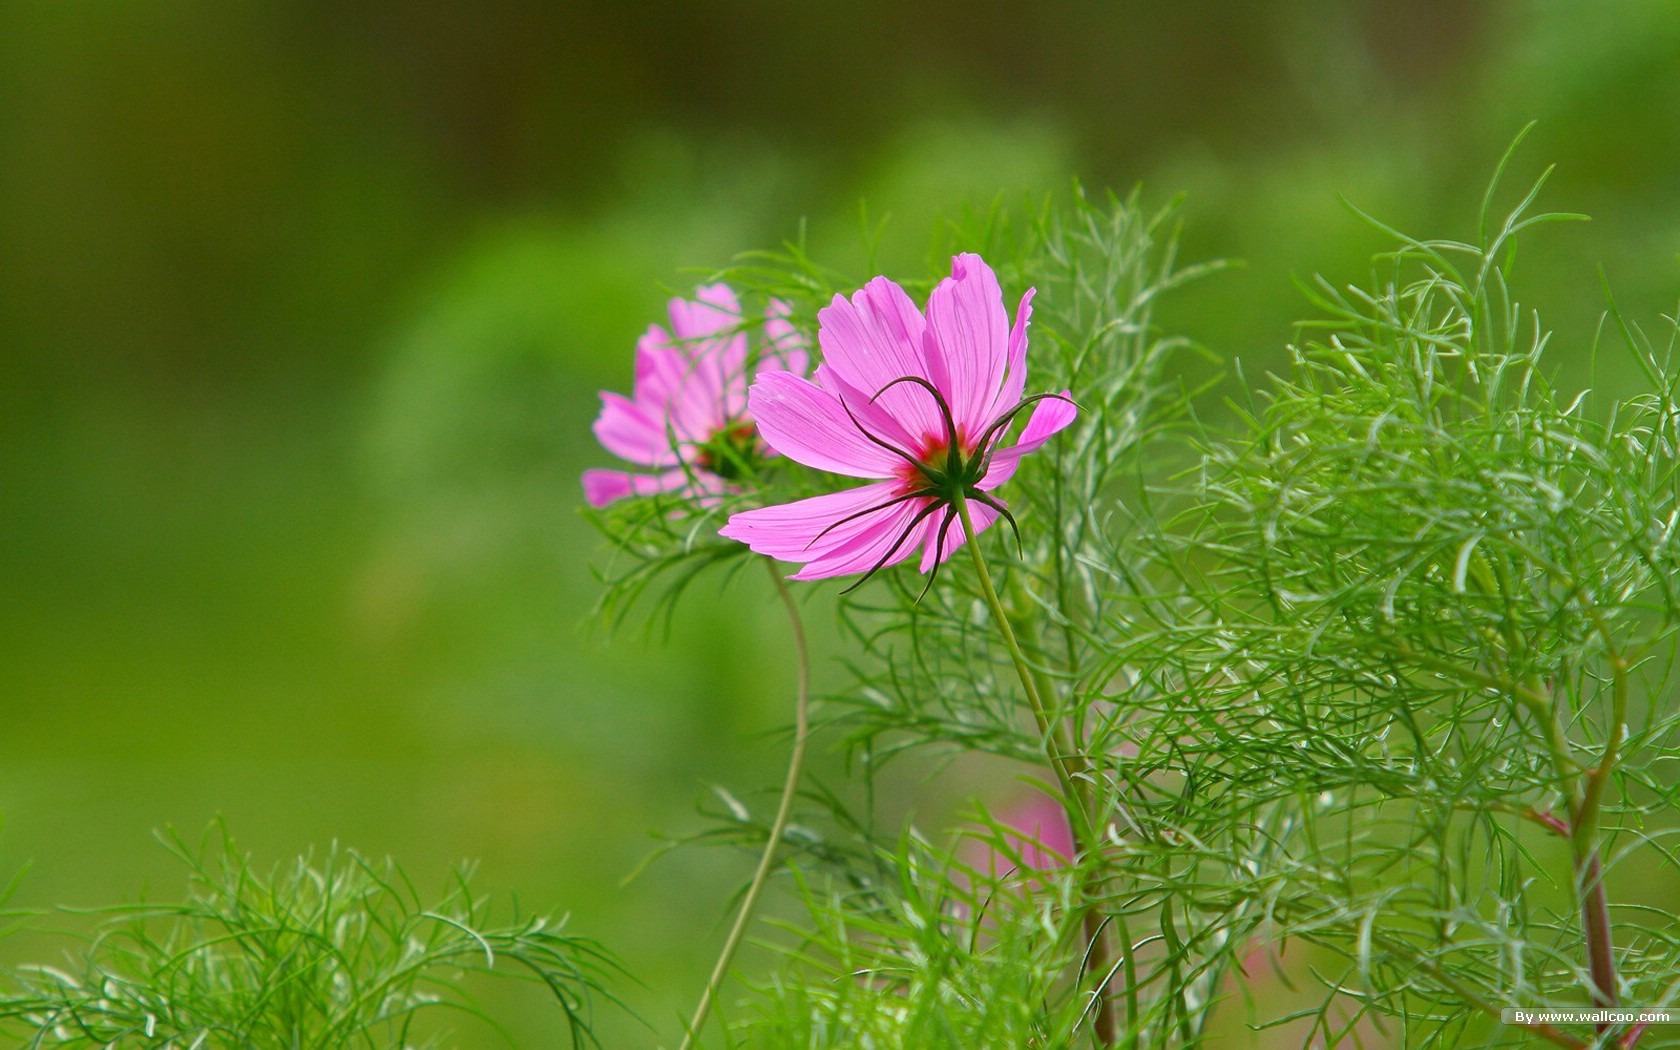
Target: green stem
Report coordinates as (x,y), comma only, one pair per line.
(1071,776)
(784,808)
(1060,763)
(1542,704)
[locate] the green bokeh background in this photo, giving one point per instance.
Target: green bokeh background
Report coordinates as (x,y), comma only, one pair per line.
(304,304)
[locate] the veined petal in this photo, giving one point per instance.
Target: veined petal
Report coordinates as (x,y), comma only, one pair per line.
(713,309)
(785,347)
(982,515)
(1015,376)
(631,432)
(670,386)
(807,424)
(708,330)
(875,339)
(1050,416)
(601,487)
(890,538)
(729,358)
(870,415)
(660,369)
(811,528)
(967,341)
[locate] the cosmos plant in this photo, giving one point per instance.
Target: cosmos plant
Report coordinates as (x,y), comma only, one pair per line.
(1343,708)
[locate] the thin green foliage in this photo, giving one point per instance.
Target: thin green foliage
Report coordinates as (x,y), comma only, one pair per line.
(1357,702)
(1425,604)
(329,953)
(1369,701)
(955,956)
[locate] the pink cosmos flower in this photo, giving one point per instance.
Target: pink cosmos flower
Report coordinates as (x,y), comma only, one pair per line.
(917,403)
(1038,834)
(1010,861)
(687,417)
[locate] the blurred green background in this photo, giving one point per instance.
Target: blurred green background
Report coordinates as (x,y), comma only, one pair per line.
(304,304)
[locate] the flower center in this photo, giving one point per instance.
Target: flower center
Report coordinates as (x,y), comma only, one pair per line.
(942,470)
(732,453)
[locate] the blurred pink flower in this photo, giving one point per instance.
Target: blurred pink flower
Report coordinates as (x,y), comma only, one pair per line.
(919,403)
(1005,864)
(1038,835)
(687,417)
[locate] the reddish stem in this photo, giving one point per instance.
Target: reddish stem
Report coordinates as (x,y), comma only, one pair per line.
(1595,916)
(1547,818)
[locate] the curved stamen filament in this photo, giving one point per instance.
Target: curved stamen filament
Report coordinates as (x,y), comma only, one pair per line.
(883,505)
(952,452)
(889,446)
(909,530)
(988,500)
(1001,423)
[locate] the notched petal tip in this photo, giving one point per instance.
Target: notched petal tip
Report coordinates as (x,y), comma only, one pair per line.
(713,309)
(785,347)
(967,340)
(601,487)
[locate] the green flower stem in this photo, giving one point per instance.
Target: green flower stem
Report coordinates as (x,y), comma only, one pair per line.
(1071,772)
(1543,706)
(1060,759)
(790,785)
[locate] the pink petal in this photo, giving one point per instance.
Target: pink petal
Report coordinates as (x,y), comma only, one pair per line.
(874,340)
(630,432)
(672,387)
(1049,417)
(795,526)
(601,487)
(708,331)
(870,415)
(731,364)
(836,533)
(891,538)
(1015,377)
(967,341)
(1046,841)
(713,309)
(728,337)
(983,517)
(785,347)
(807,424)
